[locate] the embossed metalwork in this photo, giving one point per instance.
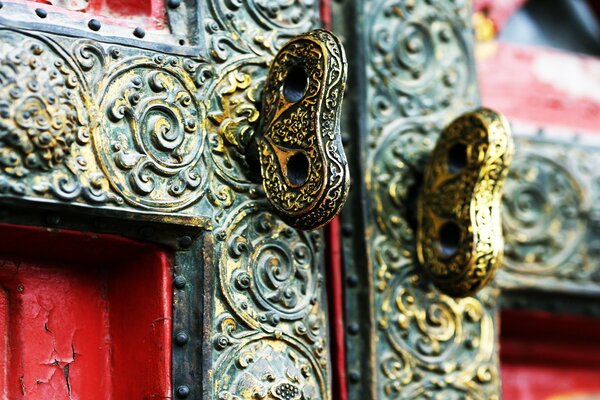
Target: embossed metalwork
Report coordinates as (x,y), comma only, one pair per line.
(416,60)
(304,168)
(550,214)
(459,238)
(90,125)
(268,313)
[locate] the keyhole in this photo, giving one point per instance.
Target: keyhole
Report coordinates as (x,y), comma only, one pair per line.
(295,83)
(297,169)
(448,239)
(457,158)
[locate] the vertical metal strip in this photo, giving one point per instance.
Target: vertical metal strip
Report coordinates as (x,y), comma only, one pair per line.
(349,23)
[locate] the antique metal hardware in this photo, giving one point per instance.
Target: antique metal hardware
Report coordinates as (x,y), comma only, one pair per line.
(460,240)
(298,146)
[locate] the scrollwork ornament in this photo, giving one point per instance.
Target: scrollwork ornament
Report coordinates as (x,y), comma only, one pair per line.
(152,146)
(269,369)
(268,273)
(419,75)
(421,54)
(47,117)
(262,25)
(542,216)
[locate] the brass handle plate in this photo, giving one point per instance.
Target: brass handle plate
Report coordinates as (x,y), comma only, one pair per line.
(303,165)
(459,240)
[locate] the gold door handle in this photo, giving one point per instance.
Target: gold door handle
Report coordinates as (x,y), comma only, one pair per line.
(303,166)
(459,239)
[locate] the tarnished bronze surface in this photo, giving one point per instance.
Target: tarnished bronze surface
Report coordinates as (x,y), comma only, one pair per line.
(304,168)
(459,238)
(414,74)
(118,128)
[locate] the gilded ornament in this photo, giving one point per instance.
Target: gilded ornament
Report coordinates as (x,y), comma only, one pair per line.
(460,241)
(304,168)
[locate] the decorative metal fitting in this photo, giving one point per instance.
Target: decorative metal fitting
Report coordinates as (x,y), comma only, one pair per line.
(460,242)
(303,166)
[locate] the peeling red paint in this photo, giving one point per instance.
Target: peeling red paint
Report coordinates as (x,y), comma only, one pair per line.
(529,84)
(83,317)
(150,14)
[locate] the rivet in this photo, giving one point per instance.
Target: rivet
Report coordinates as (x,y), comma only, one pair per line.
(181,338)
(139,32)
(94,24)
(352,280)
(185,242)
(183,391)
(354,376)
(179,282)
(1,5)
(353,328)
(174,3)
(347,230)
(41,12)
(53,219)
(146,231)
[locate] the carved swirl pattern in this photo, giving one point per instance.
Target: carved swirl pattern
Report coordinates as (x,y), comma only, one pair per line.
(46,120)
(541,216)
(152,133)
(418,48)
(40,118)
(427,342)
(270,369)
(551,219)
(262,25)
(430,333)
(420,74)
(268,273)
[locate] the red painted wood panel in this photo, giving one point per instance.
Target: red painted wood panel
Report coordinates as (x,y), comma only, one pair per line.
(147,13)
(87,316)
(552,357)
(539,85)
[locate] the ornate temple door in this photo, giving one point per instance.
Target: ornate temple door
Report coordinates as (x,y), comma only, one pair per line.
(160,122)
(413,331)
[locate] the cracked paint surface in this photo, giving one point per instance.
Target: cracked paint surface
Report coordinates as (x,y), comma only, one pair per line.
(91,327)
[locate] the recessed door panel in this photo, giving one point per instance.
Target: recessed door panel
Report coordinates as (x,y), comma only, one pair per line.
(83,316)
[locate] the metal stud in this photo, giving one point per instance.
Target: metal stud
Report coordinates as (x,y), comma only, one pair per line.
(354,376)
(41,12)
(53,219)
(181,338)
(183,392)
(185,242)
(179,282)
(353,328)
(139,32)
(94,24)
(174,3)
(352,280)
